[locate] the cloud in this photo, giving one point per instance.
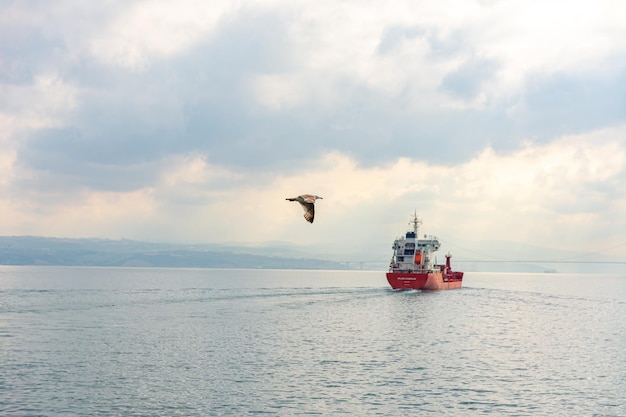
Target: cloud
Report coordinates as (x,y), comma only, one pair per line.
(394,36)
(574,103)
(46,103)
(467,81)
(567,194)
(147,31)
(194,111)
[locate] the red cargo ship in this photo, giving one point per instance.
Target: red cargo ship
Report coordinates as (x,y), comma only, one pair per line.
(413,268)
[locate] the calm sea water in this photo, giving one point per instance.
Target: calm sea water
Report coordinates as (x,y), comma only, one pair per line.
(168,342)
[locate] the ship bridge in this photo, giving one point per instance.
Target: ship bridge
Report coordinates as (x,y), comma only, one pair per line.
(412,254)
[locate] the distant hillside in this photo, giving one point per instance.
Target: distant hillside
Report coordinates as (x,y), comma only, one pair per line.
(32,250)
(482,256)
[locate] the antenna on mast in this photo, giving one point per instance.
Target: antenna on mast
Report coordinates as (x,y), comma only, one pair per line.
(416,221)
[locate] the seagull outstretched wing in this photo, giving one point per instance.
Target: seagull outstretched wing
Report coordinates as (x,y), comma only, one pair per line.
(307,201)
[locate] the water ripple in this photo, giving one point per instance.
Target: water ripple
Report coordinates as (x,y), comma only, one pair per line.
(183,343)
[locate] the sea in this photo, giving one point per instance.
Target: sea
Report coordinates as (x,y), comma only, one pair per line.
(91,341)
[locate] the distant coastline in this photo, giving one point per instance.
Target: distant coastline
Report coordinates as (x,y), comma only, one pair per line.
(33,250)
(55,251)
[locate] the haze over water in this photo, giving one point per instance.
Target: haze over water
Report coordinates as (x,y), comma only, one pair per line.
(197,342)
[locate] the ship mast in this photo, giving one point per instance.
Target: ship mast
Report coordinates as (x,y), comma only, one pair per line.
(415,221)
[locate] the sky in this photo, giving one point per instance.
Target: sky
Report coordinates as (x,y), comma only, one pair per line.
(192,121)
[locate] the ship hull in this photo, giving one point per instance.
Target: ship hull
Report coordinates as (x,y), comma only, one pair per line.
(431,281)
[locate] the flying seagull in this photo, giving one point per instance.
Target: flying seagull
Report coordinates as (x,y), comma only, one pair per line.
(307,201)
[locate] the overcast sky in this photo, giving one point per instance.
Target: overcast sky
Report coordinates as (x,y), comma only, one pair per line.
(192,121)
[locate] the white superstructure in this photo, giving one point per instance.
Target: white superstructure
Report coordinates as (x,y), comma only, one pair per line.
(410,253)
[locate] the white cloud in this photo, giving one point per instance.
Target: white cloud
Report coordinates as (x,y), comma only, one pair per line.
(7,159)
(46,103)
(548,37)
(279,91)
(521,38)
(150,30)
(193,169)
(568,194)
(541,193)
(368,79)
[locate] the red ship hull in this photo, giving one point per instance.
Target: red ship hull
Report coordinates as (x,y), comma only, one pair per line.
(431,281)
